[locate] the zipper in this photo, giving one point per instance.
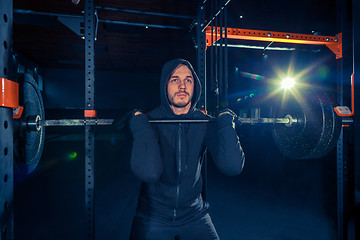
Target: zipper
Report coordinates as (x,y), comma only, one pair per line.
(177,202)
(178,156)
(174,215)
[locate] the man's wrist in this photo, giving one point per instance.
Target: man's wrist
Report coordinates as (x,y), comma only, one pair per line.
(226,119)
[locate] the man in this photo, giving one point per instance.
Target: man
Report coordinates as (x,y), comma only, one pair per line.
(167,157)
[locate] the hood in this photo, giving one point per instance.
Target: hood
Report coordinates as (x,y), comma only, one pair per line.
(166,72)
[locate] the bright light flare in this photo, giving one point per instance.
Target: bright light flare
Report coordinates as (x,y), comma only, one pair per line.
(288,83)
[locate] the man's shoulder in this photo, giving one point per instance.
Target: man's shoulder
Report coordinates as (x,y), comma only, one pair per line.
(157,112)
(199,114)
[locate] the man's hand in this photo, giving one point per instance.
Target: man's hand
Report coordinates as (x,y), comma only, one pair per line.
(226,118)
(227,111)
(138,122)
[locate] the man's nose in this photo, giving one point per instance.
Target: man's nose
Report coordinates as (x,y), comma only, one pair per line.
(182,84)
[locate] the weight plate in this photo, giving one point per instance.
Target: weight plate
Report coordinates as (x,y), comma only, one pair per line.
(317,131)
(28,144)
(332,128)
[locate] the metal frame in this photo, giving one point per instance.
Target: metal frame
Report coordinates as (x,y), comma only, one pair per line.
(333,43)
(218,53)
(89,113)
(6,175)
(356,64)
(345,160)
(201,57)
(201,71)
(346,229)
(71,19)
(6,125)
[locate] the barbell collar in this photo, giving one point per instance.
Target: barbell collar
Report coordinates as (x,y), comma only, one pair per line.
(32,123)
(347,120)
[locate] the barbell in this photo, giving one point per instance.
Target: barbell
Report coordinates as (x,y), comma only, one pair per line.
(304,129)
(35,122)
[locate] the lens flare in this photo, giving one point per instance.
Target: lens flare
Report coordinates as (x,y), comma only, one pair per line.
(288,83)
(72,155)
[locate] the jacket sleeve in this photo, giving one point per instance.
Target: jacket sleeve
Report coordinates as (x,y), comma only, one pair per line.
(146,162)
(224,146)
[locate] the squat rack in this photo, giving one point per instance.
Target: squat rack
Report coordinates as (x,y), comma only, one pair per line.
(216,30)
(207,32)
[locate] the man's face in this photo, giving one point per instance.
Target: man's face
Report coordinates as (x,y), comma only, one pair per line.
(180,87)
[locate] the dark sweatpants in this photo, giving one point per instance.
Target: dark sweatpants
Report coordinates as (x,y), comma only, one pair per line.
(199,229)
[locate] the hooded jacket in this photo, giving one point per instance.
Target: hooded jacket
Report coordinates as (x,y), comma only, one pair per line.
(167,157)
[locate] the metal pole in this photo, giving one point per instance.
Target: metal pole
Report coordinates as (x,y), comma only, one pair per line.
(144,12)
(107,122)
(212,54)
(356,64)
(216,67)
(343,74)
(89,31)
(223,4)
(221,62)
(6,126)
(201,56)
(60,15)
(226,80)
(6,175)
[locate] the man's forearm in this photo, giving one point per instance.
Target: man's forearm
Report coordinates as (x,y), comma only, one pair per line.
(224,146)
(146,162)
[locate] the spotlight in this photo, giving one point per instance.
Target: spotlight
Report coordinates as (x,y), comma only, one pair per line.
(288,83)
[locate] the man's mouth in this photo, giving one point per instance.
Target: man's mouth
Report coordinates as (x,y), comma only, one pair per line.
(182,94)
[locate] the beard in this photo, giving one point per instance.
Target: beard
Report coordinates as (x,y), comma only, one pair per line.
(179,104)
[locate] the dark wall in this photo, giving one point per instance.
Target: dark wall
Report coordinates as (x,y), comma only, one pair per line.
(64,88)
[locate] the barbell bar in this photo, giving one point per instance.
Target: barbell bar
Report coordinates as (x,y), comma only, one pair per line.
(35,122)
(304,129)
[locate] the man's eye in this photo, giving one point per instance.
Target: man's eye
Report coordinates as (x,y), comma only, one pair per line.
(174,80)
(189,80)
